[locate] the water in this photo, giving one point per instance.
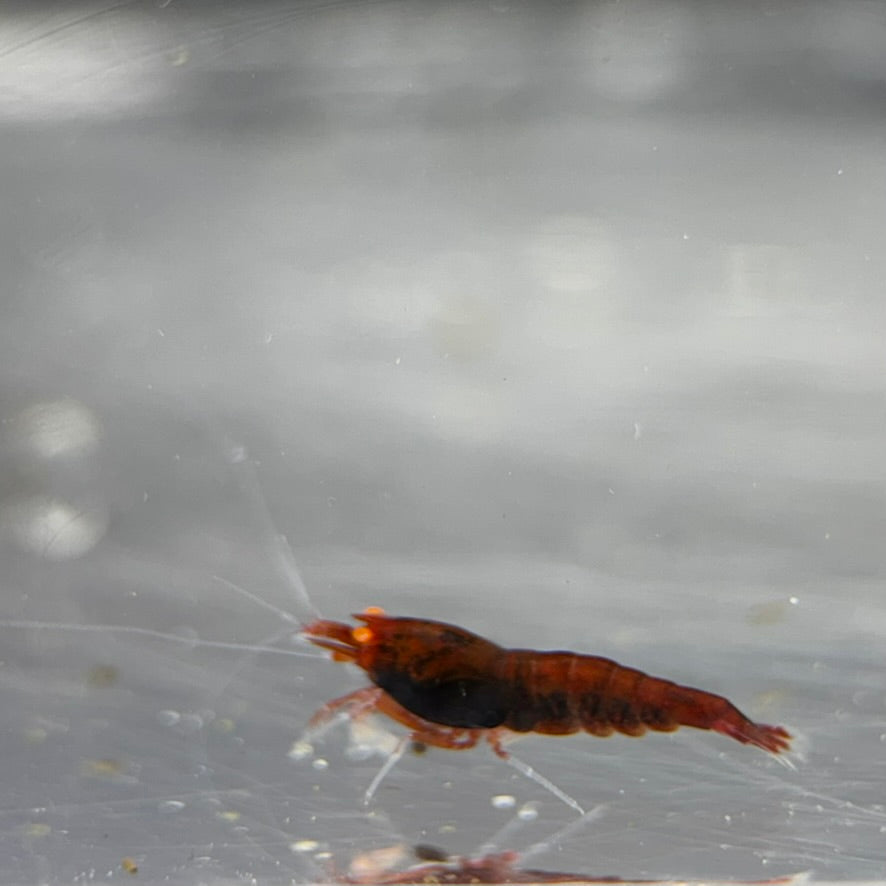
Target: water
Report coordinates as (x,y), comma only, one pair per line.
(560,323)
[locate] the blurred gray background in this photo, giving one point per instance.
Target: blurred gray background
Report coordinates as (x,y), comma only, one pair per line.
(563,322)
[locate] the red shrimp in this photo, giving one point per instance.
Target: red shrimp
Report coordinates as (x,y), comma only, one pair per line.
(451,688)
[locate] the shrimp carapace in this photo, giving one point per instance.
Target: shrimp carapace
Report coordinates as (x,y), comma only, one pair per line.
(449,686)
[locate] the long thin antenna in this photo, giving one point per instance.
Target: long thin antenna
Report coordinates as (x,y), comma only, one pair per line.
(243,471)
(279,551)
(158,635)
(259,601)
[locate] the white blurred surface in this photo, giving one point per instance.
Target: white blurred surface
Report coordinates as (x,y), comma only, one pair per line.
(562,322)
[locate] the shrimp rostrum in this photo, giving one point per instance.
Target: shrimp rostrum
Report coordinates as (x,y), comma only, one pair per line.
(450,688)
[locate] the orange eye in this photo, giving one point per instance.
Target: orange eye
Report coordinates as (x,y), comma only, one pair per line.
(374,610)
(362,635)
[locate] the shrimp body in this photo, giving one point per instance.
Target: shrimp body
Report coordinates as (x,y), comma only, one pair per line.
(558,693)
(450,686)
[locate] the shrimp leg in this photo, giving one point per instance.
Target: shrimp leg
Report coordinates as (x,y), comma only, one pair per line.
(355,705)
(371,700)
(461,739)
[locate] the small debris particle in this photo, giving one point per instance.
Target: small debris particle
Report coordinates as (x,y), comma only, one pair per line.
(426,852)
(37,829)
(503,801)
(106,768)
(101,676)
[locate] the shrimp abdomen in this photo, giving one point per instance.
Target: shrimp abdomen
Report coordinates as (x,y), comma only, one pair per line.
(560,693)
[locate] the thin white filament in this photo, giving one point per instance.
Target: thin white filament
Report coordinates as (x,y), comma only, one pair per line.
(388,765)
(259,601)
(280,552)
(564,833)
(548,785)
(148,632)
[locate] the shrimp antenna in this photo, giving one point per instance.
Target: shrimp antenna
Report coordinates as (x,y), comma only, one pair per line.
(259,601)
(278,548)
(259,648)
(280,553)
(548,785)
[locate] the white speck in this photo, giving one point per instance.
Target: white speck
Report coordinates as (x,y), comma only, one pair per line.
(171,806)
(611,491)
(528,812)
(827,536)
(304,846)
(320,764)
(503,801)
(686,236)
(237,454)
(839,171)
(793,600)
(161,333)
(169,718)
(300,750)
(638,430)
(397,362)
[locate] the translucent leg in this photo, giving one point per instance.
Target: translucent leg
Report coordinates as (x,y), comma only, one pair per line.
(388,765)
(548,785)
(354,704)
